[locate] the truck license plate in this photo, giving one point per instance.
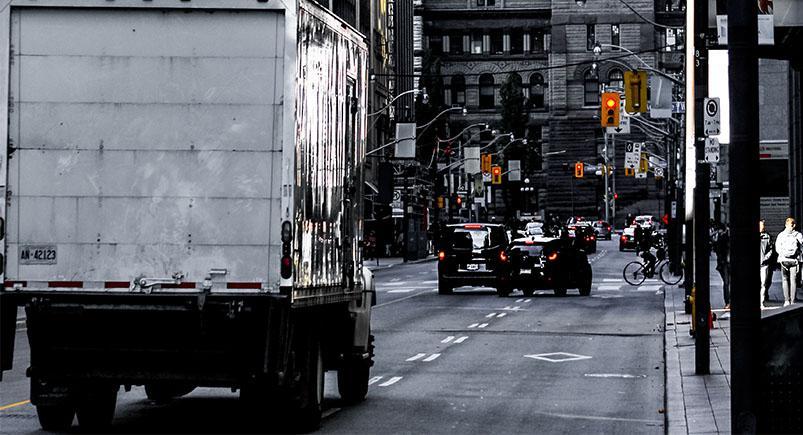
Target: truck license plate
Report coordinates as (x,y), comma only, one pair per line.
(37,254)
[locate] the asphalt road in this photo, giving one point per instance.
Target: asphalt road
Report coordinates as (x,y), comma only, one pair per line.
(465,363)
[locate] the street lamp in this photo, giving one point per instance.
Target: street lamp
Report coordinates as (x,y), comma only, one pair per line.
(424,99)
(425,126)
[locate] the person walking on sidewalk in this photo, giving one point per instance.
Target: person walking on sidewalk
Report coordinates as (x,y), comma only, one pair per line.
(767,261)
(789,245)
(720,244)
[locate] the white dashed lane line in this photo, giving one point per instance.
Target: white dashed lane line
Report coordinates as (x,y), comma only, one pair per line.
(500,315)
(402,290)
(461,339)
(391,381)
(432,357)
(482,325)
(374,380)
(490,315)
(416,357)
(473,325)
(447,339)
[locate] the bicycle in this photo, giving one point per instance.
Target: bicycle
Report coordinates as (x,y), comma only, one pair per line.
(636,272)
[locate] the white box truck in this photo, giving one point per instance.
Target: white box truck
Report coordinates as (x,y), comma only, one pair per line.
(183,184)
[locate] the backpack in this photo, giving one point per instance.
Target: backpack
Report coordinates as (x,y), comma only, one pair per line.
(787,245)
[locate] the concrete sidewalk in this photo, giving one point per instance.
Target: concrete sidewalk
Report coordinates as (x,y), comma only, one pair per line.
(701,404)
(388,262)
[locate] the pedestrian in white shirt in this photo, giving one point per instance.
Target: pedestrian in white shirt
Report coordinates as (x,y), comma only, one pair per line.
(789,245)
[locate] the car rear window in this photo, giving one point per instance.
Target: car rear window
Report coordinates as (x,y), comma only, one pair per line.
(530,250)
(470,239)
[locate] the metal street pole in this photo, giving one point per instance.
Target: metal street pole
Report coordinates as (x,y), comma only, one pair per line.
(613,180)
(744,214)
(605,175)
(702,291)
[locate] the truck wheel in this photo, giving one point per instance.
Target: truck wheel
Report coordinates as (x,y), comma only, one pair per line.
(55,418)
(309,390)
(95,407)
(162,393)
(352,378)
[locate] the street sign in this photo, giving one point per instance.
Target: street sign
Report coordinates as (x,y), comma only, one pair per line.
(624,123)
(711,116)
(472,160)
(632,155)
(659,172)
(514,166)
(678,107)
(405,140)
(641,174)
(486,177)
(712,150)
(661,105)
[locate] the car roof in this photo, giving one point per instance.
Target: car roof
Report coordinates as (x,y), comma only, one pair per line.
(482,225)
(532,240)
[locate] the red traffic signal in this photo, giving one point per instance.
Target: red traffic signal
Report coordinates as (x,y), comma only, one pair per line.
(579,169)
(609,116)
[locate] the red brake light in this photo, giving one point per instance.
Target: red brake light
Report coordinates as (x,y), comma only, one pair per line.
(286,267)
(502,256)
(591,238)
(529,242)
(624,237)
(441,255)
(553,256)
(472,226)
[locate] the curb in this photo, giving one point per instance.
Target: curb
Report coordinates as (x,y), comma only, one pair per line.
(388,266)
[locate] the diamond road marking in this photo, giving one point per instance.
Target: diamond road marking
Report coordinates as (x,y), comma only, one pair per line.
(556,357)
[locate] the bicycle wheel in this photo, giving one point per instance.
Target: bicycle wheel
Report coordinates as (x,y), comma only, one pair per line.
(668,276)
(634,273)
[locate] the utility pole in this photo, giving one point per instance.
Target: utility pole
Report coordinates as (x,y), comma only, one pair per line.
(605,175)
(744,214)
(701,253)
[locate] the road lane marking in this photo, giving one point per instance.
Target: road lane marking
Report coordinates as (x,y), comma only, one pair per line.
(374,380)
(500,315)
(395,279)
(423,292)
(401,290)
(394,283)
(609,287)
(648,288)
(473,325)
(461,339)
(612,280)
(613,375)
(391,381)
(448,339)
(490,315)
(514,308)
(417,356)
(596,417)
(518,301)
(432,357)
(14,405)
(527,300)
(433,281)
(483,325)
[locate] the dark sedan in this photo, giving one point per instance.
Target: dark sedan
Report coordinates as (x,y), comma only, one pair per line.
(603,230)
(545,263)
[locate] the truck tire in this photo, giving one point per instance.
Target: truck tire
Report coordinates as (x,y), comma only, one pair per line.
(55,418)
(162,393)
(95,407)
(352,378)
(308,409)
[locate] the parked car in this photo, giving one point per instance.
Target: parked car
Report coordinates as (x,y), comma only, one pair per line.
(470,255)
(583,236)
(603,230)
(545,263)
(628,238)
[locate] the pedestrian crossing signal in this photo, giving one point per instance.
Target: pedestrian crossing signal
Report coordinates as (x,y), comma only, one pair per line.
(609,116)
(496,175)
(630,172)
(579,169)
(486,163)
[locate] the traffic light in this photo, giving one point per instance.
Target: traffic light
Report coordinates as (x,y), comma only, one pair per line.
(636,91)
(459,201)
(578,170)
(630,172)
(485,161)
(496,175)
(644,164)
(609,116)
(440,202)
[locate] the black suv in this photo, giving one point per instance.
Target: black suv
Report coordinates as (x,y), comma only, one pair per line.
(583,235)
(470,255)
(545,263)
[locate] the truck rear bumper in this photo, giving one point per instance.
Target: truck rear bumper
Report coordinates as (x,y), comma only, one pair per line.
(212,340)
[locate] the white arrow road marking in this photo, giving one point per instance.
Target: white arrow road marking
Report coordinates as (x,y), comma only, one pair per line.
(483,325)
(415,357)
(432,357)
(391,381)
(461,339)
(374,380)
(448,339)
(473,325)
(556,357)
(613,375)
(490,315)
(500,315)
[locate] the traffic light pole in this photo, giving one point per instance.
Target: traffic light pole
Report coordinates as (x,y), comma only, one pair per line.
(744,215)
(605,175)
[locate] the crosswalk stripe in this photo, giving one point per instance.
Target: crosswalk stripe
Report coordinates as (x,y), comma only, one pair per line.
(391,381)
(432,357)
(648,288)
(401,290)
(448,339)
(461,339)
(612,279)
(415,357)
(482,325)
(609,287)
(500,315)
(374,380)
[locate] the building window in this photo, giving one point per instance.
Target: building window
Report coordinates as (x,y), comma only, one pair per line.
(484,3)
(537,86)
(497,42)
(456,43)
(591,37)
(536,41)
(487,100)
(476,43)
(458,90)
(516,42)
(436,44)
(616,79)
(615,36)
(590,89)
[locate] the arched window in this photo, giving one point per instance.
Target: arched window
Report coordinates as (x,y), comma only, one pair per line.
(459,90)
(616,79)
(487,100)
(537,86)
(590,89)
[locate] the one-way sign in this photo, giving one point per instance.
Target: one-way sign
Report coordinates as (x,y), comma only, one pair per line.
(624,123)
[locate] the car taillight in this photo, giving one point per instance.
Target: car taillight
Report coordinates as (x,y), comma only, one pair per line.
(624,238)
(553,256)
(502,256)
(441,255)
(591,238)
(287,267)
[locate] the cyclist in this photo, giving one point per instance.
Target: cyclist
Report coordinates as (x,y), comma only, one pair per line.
(645,242)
